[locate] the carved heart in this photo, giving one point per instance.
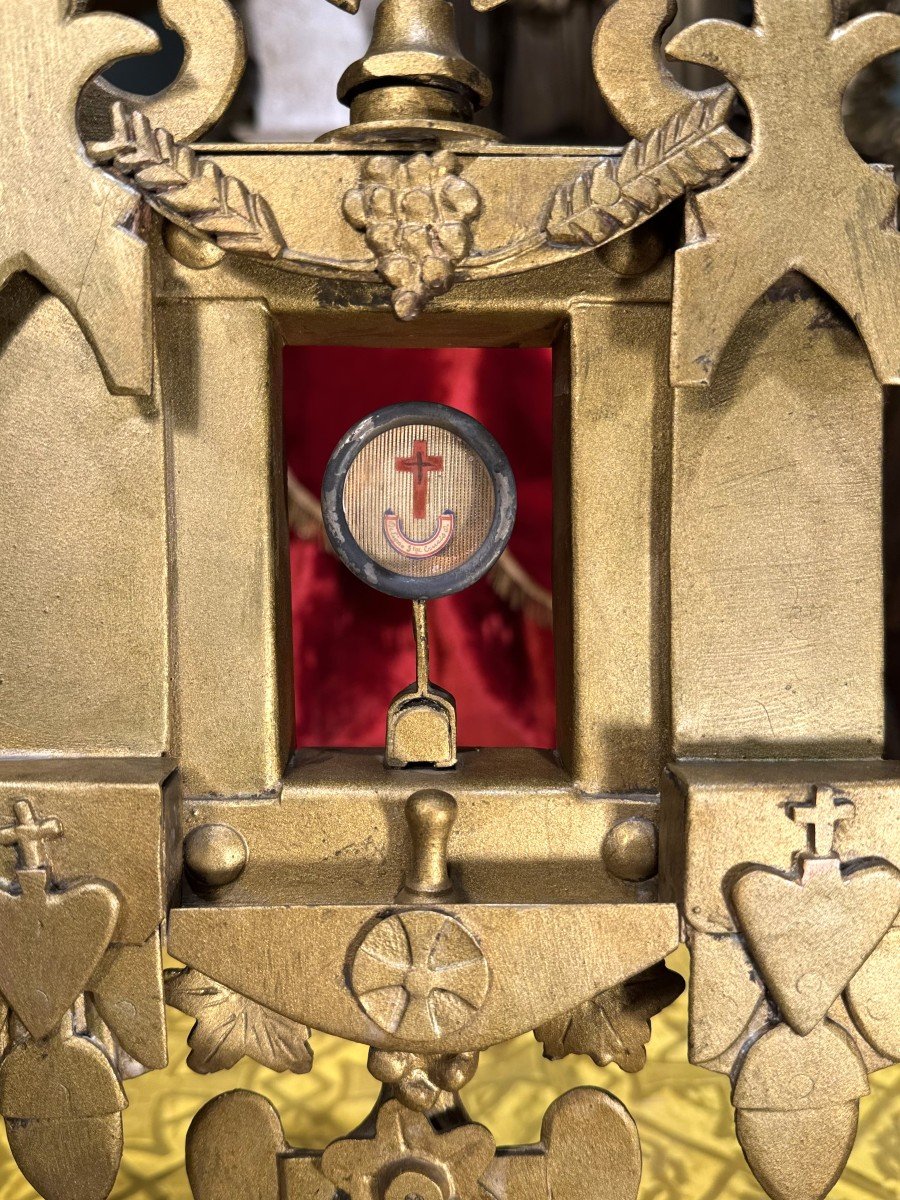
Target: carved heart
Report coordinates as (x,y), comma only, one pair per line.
(50,945)
(809,939)
(872,997)
(593,1149)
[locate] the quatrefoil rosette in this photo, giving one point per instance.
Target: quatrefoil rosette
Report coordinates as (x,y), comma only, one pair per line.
(420,975)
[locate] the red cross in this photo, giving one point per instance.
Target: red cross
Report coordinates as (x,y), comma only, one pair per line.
(420,465)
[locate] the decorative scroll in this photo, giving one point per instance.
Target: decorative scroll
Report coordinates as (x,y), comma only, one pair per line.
(80,241)
(63,221)
(637,85)
(214,60)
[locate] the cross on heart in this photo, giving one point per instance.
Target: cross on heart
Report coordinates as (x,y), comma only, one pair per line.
(51,939)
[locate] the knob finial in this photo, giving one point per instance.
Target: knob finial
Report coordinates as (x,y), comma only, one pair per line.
(431,815)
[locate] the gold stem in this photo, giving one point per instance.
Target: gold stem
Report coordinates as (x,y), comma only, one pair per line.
(420,626)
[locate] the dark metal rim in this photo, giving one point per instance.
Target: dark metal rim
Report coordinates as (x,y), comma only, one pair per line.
(345,544)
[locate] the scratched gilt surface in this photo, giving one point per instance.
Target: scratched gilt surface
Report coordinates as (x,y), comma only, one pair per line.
(683,1114)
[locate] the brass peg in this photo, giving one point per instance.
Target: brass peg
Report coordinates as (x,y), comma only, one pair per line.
(430,815)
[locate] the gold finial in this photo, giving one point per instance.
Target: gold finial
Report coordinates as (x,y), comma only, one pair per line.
(413,84)
(430,815)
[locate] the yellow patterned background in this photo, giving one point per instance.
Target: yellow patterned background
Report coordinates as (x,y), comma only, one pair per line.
(682,1112)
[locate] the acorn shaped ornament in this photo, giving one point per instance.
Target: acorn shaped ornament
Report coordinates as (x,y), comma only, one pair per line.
(62,1103)
(797,1108)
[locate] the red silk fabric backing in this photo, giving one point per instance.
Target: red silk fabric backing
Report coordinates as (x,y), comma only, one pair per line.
(353,647)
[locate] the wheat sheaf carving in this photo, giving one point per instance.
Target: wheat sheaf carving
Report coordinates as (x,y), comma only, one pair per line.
(187,188)
(692,150)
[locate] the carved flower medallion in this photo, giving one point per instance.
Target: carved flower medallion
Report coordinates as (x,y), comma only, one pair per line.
(420,975)
(407,1157)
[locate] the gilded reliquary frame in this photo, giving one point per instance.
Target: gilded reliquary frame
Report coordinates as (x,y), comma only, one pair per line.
(717,587)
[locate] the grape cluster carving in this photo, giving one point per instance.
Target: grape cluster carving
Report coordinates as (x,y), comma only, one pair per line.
(417,217)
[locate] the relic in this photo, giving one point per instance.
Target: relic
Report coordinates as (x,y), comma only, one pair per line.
(720,776)
(433,531)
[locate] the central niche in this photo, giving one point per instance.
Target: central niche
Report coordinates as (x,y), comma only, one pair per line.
(492,645)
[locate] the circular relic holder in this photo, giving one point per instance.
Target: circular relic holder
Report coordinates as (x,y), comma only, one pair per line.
(419,501)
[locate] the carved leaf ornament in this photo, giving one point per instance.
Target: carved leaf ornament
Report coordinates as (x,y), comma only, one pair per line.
(230,1027)
(614,1026)
(694,149)
(187,188)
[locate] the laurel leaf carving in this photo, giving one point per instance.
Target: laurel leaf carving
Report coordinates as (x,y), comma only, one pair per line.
(187,188)
(694,149)
(230,1027)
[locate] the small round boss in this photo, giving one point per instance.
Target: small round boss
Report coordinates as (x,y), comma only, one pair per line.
(419,500)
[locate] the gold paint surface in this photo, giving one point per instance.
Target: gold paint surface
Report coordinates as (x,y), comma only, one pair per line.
(215,55)
(306,187)
(233,696)
(122,822)
(83,570)
(786,873)
(760,634)
(62,221)
(610,495)
(770,218)
(777,611)
(338,832)
(683,1114)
